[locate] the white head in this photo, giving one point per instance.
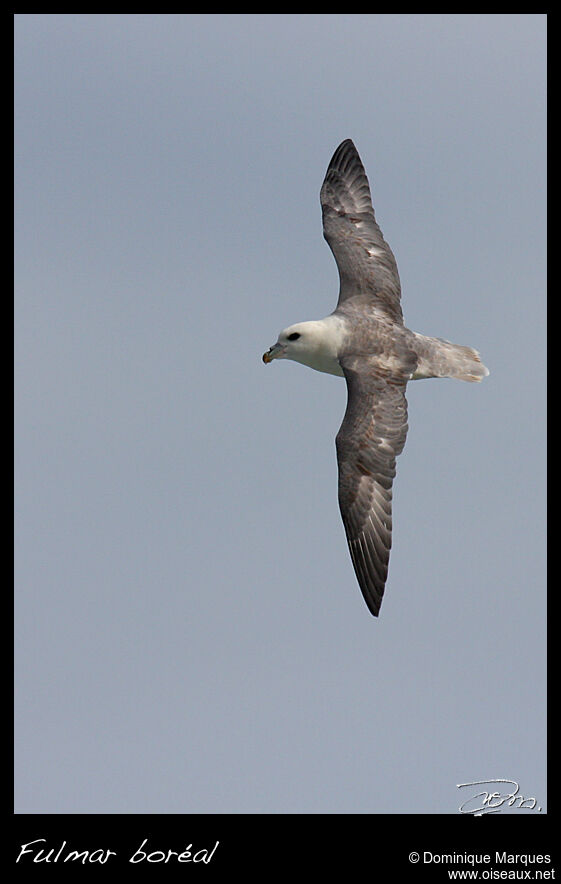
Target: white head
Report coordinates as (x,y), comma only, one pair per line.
(314,343)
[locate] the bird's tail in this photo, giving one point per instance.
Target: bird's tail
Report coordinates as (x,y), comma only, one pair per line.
(441,359)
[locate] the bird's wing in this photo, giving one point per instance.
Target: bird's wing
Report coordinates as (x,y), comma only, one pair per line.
(367,267)
(371,436)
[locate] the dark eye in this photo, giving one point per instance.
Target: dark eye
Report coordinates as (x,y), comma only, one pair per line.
(294,336)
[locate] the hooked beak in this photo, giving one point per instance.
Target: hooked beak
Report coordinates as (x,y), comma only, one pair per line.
(273,352)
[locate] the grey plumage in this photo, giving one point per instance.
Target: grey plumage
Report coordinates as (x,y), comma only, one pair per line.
(372,434)
(367,267)
(365,340)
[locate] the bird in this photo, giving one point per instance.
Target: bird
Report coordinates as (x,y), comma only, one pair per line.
(365,341)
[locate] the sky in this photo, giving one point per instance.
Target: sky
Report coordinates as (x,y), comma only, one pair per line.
(189,634)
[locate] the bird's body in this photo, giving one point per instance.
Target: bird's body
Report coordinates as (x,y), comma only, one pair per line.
(365,341)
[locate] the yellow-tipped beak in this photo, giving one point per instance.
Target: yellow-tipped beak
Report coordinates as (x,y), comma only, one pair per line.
(272,353)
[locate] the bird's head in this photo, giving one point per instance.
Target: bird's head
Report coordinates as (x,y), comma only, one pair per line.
(292,343)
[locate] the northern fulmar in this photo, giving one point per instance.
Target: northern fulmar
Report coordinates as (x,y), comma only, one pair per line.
(365,341)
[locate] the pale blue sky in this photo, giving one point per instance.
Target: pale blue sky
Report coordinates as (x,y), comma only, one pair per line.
(190,637)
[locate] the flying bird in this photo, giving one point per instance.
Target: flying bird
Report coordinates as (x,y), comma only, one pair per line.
(365,341)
